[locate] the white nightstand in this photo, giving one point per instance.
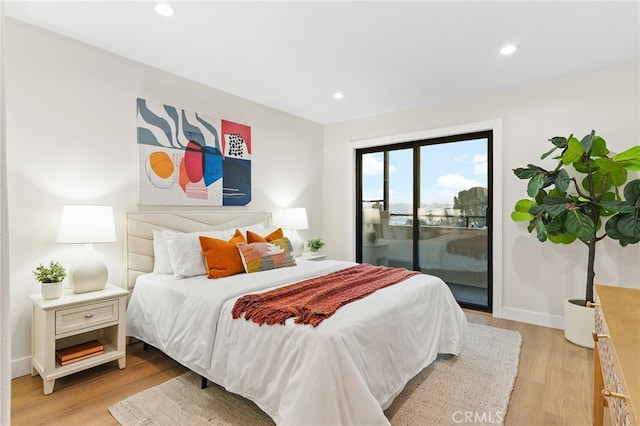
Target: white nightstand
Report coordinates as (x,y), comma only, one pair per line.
(73,319)
(375,254)
(313,256)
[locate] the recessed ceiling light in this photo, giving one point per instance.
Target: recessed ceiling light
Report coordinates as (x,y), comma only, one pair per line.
(508,49)
(338,95)
(164,9)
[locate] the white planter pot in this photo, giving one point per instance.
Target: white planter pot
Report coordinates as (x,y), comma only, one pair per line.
(51,290)
(578,324)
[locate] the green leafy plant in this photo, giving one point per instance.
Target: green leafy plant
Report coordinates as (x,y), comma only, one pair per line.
(580,198)
(315,244)
(52,274)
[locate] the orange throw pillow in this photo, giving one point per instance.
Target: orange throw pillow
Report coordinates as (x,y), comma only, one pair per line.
(222,258)
(238,237)
(252,237)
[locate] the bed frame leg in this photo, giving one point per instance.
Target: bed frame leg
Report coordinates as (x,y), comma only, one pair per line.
(145,346)
(203,382)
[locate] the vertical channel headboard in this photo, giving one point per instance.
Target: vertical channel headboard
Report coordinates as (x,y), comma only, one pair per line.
(139,228)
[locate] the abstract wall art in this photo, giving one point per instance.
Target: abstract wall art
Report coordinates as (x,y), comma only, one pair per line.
(189,159)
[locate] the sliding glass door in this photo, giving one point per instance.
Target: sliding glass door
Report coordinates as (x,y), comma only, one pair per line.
(425,205)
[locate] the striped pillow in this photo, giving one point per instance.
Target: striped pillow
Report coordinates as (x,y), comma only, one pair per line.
(258,257)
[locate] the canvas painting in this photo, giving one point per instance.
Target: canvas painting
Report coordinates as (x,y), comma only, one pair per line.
(190,159)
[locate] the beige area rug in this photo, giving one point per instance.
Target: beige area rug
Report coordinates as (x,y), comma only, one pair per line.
(472,388)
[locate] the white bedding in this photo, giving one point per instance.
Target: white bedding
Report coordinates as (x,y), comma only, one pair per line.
(345,371)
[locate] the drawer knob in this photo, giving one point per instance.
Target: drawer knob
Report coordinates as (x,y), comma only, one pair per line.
(88,316)
(608,393)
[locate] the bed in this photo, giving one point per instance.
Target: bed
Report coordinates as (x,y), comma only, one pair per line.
(346,370)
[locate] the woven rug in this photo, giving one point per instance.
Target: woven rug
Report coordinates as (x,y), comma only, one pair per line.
(472,388)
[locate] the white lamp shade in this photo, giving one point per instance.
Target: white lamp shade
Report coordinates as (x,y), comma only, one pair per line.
(86,224)
(292,220)
(371,216)
(295,219)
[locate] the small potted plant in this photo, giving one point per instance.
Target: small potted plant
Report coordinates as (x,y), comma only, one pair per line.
(315,244)
(50,279)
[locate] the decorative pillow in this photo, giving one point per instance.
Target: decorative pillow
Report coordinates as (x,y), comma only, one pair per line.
(221,257)
(253,237)
(402,232)
(258,257)
(185,253)
(238,237)
(161,261)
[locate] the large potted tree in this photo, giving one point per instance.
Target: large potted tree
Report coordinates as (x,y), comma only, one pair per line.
(586,197)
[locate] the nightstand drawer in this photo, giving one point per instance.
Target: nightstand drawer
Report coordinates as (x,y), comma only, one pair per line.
(86,316)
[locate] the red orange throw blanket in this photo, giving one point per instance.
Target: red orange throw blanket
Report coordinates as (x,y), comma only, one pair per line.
(316,299)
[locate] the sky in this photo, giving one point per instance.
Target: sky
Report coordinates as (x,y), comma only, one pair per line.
(447,169)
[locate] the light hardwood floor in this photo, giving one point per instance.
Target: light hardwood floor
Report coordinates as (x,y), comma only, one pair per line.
(553,387)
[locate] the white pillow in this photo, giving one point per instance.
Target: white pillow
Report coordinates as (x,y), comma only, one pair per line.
(161,261)
(402,232)
(258,228)
(185,253)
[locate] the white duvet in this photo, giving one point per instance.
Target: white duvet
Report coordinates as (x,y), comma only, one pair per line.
(345,371)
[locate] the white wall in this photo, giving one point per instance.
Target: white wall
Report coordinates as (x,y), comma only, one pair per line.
(71,136)
(537,278)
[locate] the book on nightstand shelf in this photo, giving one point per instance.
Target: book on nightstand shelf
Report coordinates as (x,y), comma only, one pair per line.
(79,352)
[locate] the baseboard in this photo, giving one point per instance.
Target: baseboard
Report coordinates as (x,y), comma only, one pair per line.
(536,318)
(20,367)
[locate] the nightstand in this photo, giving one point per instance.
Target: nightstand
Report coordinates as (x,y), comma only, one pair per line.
(375,254)
(311,256)
(73,319)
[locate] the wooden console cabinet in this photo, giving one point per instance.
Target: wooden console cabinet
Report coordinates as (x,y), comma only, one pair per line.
(617,355)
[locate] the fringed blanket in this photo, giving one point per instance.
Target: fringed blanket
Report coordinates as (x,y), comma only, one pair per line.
(316,299)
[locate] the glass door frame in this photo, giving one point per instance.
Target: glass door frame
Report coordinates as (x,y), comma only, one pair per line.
(416,145)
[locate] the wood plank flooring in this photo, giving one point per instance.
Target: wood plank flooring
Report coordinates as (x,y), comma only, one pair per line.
(553,387)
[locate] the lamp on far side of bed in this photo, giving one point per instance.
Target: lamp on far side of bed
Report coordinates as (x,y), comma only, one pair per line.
(87,224)
(294,220)
(371,217)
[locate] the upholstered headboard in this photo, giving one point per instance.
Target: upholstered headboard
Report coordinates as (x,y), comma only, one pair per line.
(139,232)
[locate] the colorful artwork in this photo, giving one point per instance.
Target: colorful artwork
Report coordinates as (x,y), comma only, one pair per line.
(189,159)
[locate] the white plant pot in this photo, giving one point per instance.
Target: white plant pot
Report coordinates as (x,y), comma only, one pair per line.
(578,324)
(51,290)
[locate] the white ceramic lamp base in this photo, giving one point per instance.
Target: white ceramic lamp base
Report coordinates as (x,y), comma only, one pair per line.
(88,274)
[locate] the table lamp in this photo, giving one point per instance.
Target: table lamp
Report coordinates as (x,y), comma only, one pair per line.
(293,220)
(371,217)
(87,224)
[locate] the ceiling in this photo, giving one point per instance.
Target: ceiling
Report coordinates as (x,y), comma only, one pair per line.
(385,56)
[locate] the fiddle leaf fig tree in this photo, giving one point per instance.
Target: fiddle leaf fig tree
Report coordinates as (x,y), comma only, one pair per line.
(586,197)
